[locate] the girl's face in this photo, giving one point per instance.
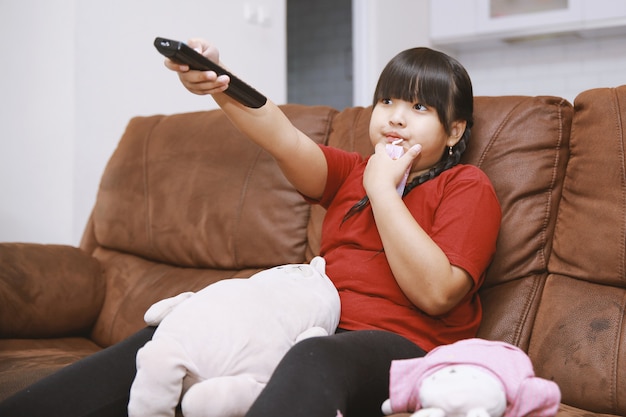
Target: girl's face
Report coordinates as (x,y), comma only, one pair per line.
(414,123)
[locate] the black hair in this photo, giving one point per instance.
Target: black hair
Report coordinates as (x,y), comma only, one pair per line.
(436,80)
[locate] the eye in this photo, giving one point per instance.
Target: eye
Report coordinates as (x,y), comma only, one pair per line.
(420,107)
(385,101)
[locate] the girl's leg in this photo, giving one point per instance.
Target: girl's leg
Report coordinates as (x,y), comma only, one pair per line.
(96,386)
(347,372)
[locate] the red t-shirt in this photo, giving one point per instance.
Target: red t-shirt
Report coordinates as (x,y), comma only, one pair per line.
(459,211)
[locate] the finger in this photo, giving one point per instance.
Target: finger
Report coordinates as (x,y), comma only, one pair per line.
(210,80)
(414,150)
(198,84)
(171,65)
(205,78)
(204,48)
(410,155)
(380,147)
(198,44)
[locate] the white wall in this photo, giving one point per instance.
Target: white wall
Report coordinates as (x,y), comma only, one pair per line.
(87,67)
(562,66)
(381,30)
(37,120)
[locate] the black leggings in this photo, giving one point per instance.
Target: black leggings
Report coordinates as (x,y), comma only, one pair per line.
(346,372)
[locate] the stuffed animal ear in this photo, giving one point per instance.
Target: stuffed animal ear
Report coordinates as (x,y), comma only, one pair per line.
(319,264)
(536,397)
(157,311)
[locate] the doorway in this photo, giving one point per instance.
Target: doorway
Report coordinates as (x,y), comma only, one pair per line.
(319,53)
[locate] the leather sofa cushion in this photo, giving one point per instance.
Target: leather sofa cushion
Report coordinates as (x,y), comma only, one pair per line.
(595,188)
(195,199)
(25,361)
(580,333)
(522,145)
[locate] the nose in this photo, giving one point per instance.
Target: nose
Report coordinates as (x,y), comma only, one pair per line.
(396,118)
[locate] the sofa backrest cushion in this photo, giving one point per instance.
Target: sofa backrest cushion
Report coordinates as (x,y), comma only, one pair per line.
(522,145)
(592,218)
(190,190)
(579,336)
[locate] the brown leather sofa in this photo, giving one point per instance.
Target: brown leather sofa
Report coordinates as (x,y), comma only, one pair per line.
(185,201)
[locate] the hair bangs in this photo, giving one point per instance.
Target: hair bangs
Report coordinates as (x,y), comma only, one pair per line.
(419,75)
(399,82)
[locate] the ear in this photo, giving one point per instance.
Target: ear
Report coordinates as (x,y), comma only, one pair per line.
(458,128)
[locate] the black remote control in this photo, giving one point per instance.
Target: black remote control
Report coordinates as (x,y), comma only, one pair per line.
(183,54)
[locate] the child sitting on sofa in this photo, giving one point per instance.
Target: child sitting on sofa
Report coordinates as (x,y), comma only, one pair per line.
(407,267)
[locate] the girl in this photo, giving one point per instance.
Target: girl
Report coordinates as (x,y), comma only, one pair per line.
(407,267)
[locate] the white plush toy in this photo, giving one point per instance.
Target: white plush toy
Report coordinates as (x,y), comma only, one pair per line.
(218,347)
(471,378)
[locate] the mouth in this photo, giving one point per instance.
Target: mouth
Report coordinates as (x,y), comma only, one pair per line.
(394,138)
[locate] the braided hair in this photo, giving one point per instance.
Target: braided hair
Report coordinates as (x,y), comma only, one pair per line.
(439,81)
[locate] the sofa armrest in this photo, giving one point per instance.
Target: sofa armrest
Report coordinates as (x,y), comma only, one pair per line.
(48,290)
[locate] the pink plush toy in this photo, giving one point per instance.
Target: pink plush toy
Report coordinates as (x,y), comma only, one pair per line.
(472,377)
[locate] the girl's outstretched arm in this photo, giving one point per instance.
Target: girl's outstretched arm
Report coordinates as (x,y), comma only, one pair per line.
(299,157)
